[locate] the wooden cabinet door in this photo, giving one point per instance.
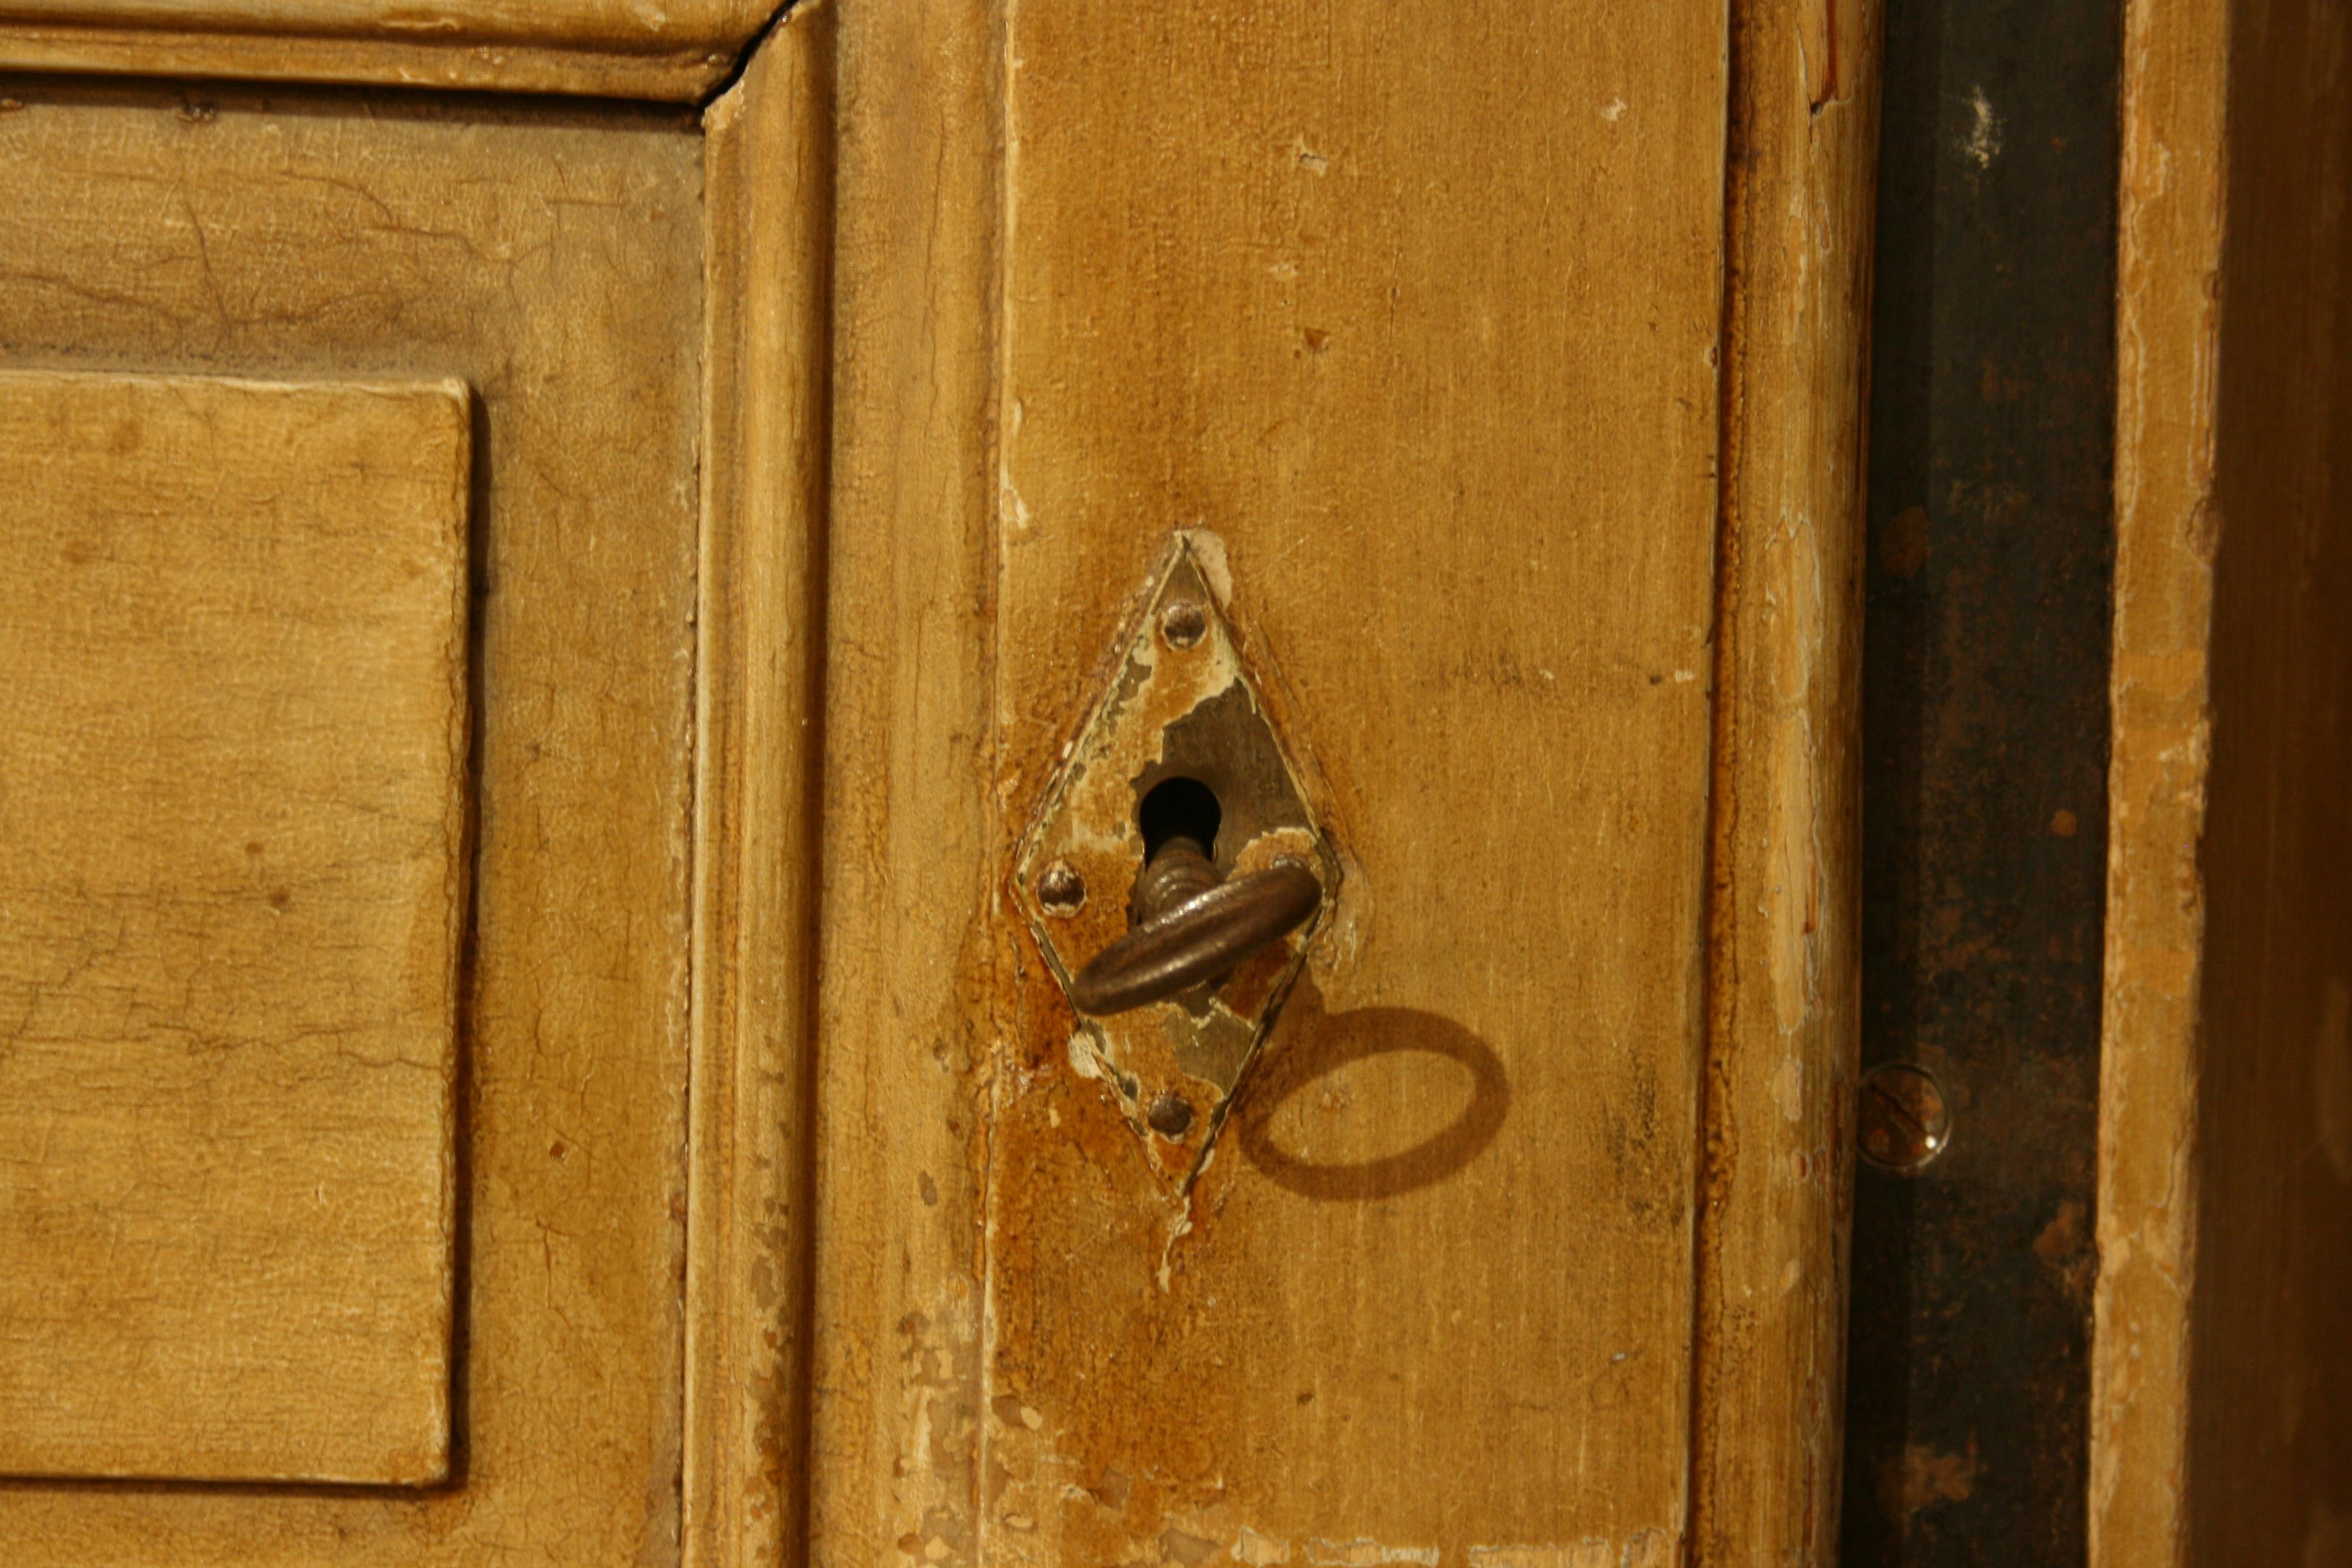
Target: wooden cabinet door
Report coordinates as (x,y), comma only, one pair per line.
(1494,372)
(630,1108)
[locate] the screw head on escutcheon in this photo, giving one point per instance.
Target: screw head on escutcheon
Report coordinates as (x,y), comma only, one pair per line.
(1060,890)
(1171,1116)
(1174,872)
(1183,623)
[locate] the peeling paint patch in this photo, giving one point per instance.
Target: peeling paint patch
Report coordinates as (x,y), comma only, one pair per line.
(1188,1549)
(935,1463)
(1209,554)
(1363,1552)
(1643,1549)
(1593,1554)
(1925,1476)
(1259,1551)
(1983,143)
(1648,1549)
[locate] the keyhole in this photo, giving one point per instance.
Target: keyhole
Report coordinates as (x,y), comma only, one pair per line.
(1179,808)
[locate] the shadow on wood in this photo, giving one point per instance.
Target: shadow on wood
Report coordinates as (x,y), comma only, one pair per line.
(1310,1045)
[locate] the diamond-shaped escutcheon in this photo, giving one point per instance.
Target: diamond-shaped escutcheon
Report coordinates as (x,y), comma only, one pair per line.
(1179,746)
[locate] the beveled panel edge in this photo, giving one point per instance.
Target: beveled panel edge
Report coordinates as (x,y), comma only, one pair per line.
(550,55)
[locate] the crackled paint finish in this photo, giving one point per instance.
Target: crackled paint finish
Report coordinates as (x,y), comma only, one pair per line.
(554,264)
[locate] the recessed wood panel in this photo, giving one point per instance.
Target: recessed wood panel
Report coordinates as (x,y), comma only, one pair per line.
(550,259)
(233,627)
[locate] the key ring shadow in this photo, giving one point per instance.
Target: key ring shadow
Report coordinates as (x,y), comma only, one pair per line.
(1309,1045)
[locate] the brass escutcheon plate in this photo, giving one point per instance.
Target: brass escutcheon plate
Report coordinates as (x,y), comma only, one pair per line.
(1180,704)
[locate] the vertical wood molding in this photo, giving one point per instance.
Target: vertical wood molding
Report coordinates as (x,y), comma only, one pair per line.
(909,913)
(2167,274)
(769,200)
(1776,1172)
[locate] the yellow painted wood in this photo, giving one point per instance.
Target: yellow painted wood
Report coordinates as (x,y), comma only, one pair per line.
(2168,247)
(1469,525)
(1419,314)
(1523,434)
(675,49)
(611,24)
(234,629)
(769,191)
(1784,982)
(553,263)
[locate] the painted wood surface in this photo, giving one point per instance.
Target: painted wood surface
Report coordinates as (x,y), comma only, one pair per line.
(1466,526)
(234,631)
(675,49)
(2168,268)
(1420,317)
(768,185)
(2269,1403)
(1777,1168)
(1436,323)
(552,262)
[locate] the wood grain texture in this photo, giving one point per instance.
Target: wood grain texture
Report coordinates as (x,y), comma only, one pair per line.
(768,178)
(553,261)
(2270,1391)
(1419,314)
(675,49)
(2221,1432)
(233,628)
(2168,272)
(1783,943)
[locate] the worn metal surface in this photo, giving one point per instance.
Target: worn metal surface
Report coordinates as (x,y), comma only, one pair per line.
(1985,736)
(1179,706)
(1191,930)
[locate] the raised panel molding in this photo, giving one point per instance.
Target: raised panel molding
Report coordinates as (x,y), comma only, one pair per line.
(620,48)
(233,628)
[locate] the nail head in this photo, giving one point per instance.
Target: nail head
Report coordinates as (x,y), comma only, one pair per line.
(1904,1121)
